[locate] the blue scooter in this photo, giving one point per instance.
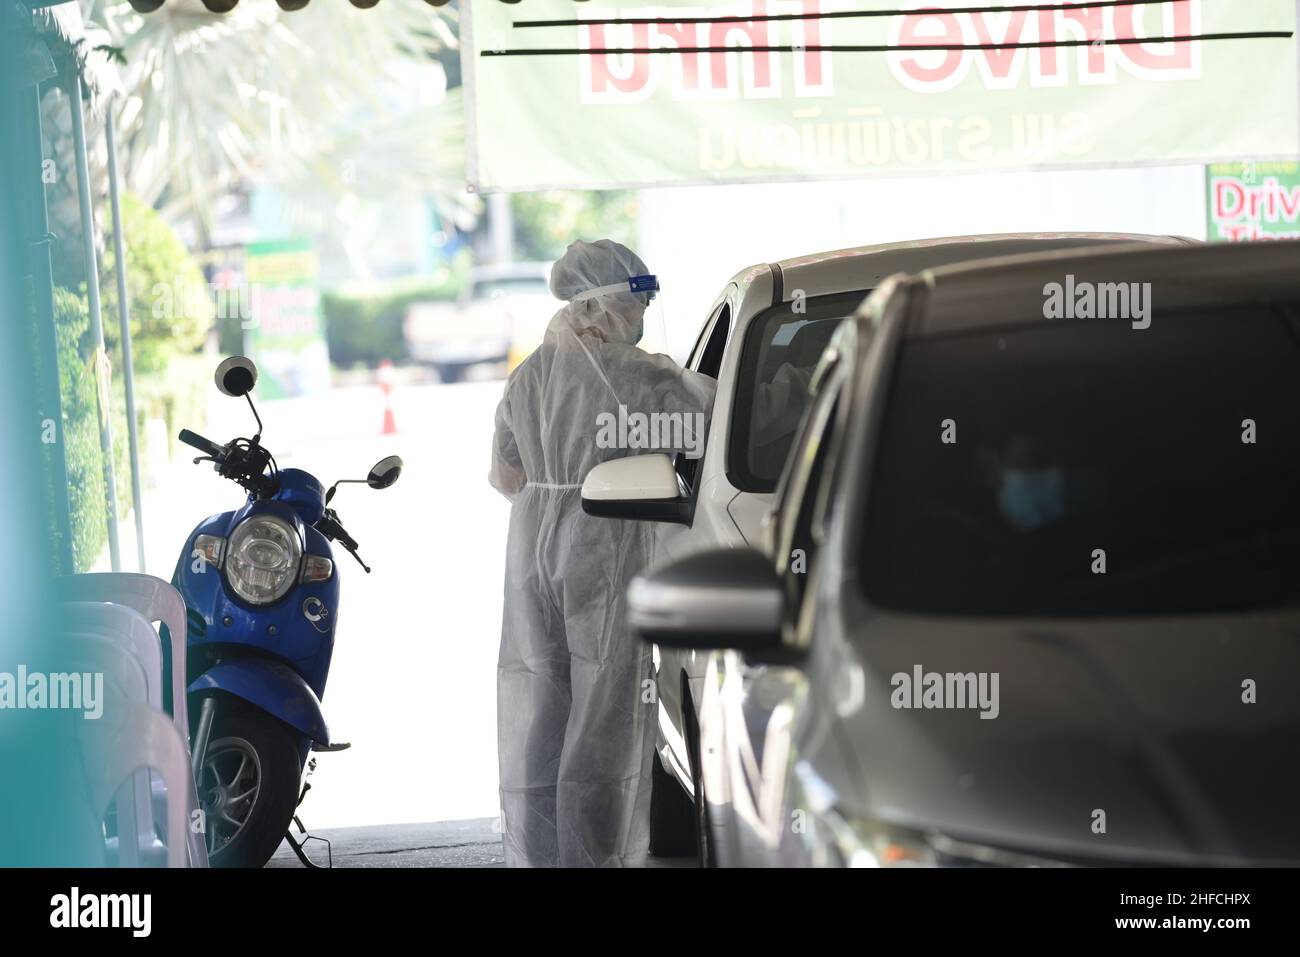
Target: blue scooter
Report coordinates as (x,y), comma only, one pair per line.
(262,596)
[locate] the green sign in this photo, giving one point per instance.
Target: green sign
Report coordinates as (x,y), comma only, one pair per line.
(1253,201)
(1023,100)
(284,333)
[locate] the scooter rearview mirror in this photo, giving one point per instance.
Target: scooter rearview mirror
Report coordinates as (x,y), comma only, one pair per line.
(385,472)
(236,376)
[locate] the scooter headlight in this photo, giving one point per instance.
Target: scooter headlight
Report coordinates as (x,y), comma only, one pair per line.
(262,559)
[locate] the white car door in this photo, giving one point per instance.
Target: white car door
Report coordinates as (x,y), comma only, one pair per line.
(673,541)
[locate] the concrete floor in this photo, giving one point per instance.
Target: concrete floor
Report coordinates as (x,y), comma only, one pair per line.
(472,843)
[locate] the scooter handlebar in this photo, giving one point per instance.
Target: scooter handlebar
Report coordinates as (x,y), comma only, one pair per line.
(206,446)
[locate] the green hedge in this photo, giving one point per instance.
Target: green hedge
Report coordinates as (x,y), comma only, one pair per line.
(52,489)
(81,450)
(177,395)
(170,314)
(364,328)
(169,304)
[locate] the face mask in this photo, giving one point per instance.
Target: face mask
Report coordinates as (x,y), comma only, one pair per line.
(1032,498)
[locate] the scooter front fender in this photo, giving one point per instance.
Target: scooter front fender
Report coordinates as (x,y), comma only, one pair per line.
(274,688)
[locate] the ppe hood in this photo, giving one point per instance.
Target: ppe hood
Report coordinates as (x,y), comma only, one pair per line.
(613,316)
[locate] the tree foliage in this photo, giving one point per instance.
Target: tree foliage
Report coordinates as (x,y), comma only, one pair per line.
(546,222)
(167,298)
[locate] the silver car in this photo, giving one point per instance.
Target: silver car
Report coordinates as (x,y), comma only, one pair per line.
(762,340)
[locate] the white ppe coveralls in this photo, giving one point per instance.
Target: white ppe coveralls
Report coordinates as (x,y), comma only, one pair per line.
(575,716)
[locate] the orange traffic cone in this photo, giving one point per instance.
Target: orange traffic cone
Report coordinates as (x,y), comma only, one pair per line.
(385,376)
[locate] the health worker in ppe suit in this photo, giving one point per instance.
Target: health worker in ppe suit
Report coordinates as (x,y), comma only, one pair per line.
(575,724)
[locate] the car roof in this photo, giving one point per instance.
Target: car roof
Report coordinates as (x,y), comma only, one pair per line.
(865,267)
(1013,289)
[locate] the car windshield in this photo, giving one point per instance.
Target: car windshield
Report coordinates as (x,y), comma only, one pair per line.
(1088,468)
(781,350)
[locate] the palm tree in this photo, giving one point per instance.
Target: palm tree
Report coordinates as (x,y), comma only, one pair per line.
(330,105)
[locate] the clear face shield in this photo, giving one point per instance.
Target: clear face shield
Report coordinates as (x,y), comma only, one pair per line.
(654,332)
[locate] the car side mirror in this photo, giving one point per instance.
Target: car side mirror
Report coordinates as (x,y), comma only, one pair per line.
(723,598)
(639,487)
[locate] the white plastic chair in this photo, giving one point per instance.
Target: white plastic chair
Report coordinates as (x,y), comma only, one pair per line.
(90,650)
(134,738)
(125,627)
(132,633)
(124,680)
(155,600)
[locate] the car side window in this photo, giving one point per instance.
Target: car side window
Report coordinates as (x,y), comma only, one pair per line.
(702,341)
(710,358)
(798,534)
(706,359)
(782,347)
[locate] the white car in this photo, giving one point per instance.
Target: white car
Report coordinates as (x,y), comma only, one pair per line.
(764,336)
(499,318)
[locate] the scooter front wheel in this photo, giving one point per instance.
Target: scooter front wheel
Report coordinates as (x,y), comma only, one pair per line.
(248,788)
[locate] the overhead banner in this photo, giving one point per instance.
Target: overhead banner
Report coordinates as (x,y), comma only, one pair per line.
(811,89)
(1253,201)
